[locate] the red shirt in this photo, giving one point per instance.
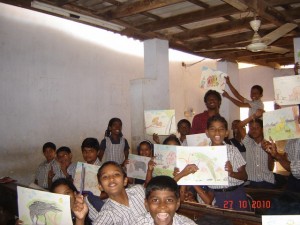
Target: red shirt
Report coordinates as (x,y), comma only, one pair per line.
(199,123)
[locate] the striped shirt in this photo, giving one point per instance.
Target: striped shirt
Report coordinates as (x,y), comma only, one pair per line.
(292,148)
(93,212)
(42,171)
(257,162)
(237,160)
(254,105)
(146,219)
(114,213)
(70,170)
(113,151)
(97,162)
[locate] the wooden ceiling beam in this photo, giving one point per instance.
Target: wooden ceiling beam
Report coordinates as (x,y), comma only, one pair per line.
(213,12)
(282,2)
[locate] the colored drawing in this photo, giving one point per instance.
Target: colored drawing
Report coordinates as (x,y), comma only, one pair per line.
(287,90)
(161,122)
(137,167)
(165,158)
(90,178)
(280,219)
(282,124)
(41,207)
(210,161)
(212,79)
(197,140)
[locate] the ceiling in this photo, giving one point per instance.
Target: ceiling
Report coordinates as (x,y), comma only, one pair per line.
(189,26)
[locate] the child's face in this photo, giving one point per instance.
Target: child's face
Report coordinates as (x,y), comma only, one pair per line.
(89,155)
(145,150)
(112,180)
(65,190)
(64,158)
(162,205)
(255,94)
(171,142)
(217,132)
(255,130)
(184,129)
(116,128)
(49,154)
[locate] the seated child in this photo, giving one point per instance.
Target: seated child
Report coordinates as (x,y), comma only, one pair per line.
(123,205)
(90,148)
(254,104)
(162,201)
(43,171)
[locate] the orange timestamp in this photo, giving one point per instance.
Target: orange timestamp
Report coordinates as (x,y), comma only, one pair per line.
(244,204)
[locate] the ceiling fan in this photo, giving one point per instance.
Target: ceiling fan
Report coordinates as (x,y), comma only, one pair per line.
(261,43)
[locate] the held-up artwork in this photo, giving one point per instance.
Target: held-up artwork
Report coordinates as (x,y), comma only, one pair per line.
(197,140)
(137,167)
(212,79)
(287,90)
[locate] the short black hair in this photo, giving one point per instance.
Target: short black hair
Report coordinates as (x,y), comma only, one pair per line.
(90,143)
(217,118)
(212,92)
(49,145)
(184,121)
(62,181)
(63,149)
(172,137)
(162,183)
(259,88)
(147,142)
(107,164)
(258,121)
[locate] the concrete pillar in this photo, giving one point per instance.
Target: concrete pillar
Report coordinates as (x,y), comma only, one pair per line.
(297,50)
(228,110)
(152,91)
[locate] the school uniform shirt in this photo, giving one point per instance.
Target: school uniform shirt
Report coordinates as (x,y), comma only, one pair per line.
(70,170)
(114,151)
(183,143)
(254,105)
(42,172)
(257,162)
(94,204)
(146,219)
(292,148)
(97,162)
(114,213)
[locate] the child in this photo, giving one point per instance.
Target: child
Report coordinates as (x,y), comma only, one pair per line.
(66,167)
(228,196)
(253,104)
(90,148)
(116,147)
(183,128)
(162,201)
(123,205)
(171,140)
(43,171)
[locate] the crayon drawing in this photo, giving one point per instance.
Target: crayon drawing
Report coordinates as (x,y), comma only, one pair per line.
(282,124)
(210,161)
(43,208)
(197,140)
(137,167)
(90,178)
(161,122)
(165,158)
(287,90)
(280,219)
(212,79)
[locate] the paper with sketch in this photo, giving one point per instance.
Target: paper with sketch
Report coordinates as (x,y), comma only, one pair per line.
(210,161)
(282,124)
(212,79)
(161,122)
(41,207)
(165,159)
(137,167)
(287,90)
(197,140)
(280,219)
(90,178)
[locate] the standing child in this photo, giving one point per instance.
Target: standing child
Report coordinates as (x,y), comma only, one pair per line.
(183,128)
(90,148)
(114,145)
(228,196)
(162,201)
(123,205)
(43,171)
(253,104)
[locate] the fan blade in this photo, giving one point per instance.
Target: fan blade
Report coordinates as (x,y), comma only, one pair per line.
(275,49)
(278,33)
(220,49)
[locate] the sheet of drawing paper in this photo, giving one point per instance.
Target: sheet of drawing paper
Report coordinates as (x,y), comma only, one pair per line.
(280,219)
(165,158)
(137,167)
(90,178)
(282,124)
(197,140)
(212,79)
(210,161)
(287,90)
(41,207)
(161,122)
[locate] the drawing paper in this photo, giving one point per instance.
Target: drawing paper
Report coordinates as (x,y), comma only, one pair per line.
(161,122)
(137,167)
(197,140)
(287,90)
(212,79)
